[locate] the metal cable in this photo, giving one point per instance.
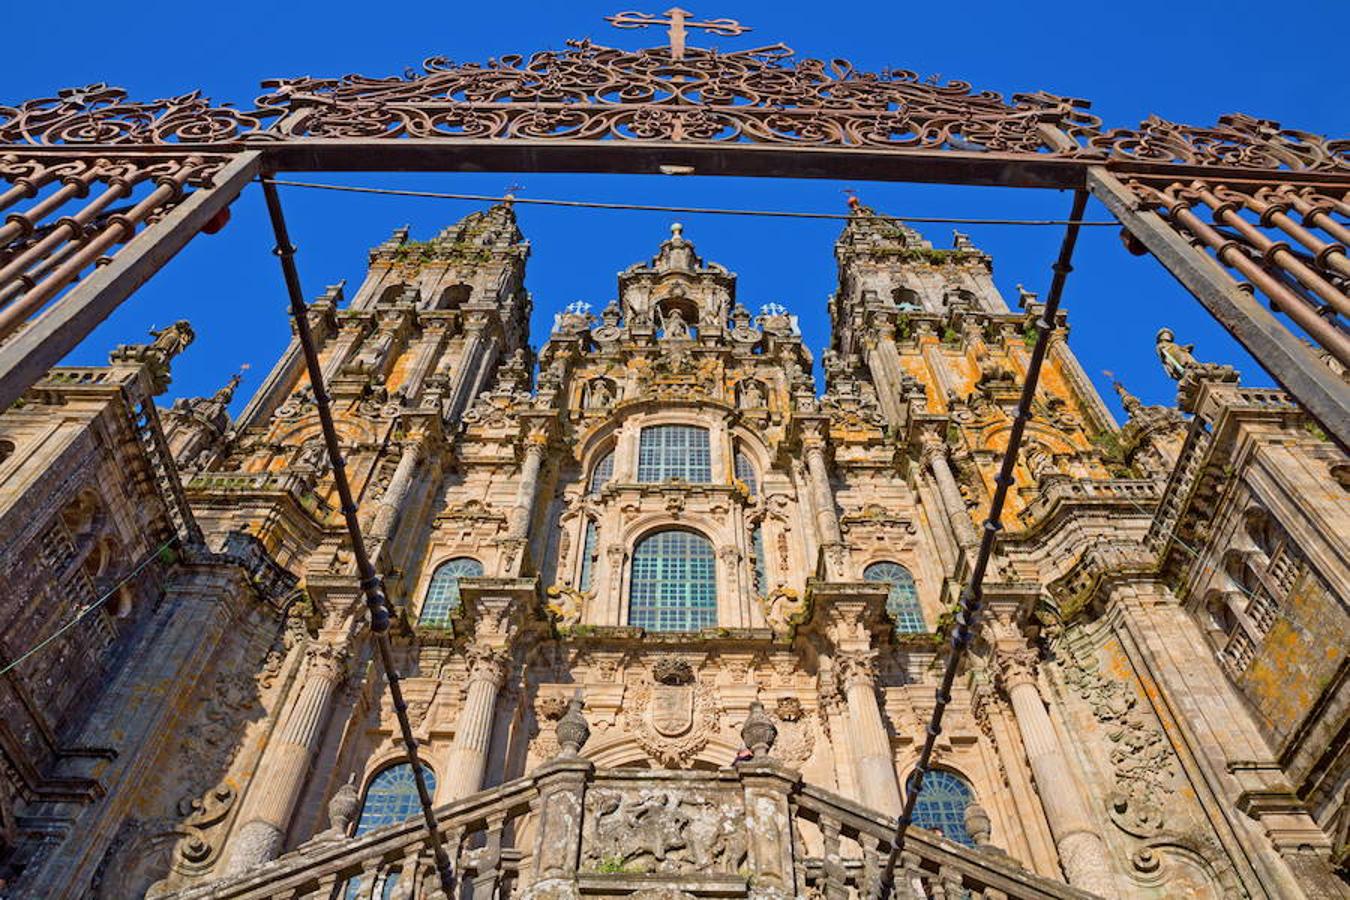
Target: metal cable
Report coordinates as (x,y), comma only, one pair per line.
(372,584)
(712,211)
(968,616)
(91,607)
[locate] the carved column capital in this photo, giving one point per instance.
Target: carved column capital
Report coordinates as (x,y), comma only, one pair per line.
(858,667)
(487,664)
(1016,666)
(327,660)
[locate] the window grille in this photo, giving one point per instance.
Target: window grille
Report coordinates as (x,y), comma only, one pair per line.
(745,471)
(903,601)
(588,555)
(666,452)
(674,583)
(442,595)
(392,797)
(602,473)
(941,806)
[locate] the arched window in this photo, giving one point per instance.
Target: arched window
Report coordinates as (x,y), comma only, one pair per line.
(443,592)
(603,472)
(674,583)
(666,452)
(941,806)
(903,601)
(745,471)
(391,797)
(588,546)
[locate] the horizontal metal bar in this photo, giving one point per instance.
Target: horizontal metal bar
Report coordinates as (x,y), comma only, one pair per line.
(55,332)
(741,159)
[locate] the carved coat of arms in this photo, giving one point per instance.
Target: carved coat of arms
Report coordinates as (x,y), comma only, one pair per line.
(670,714)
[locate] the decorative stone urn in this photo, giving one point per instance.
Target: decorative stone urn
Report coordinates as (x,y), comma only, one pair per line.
(759,732)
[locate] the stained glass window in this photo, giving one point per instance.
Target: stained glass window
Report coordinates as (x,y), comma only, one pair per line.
(443,592)
(588,555)
(666,452)
(602,473)
(674,583)
(903,601)
(745,471)
(941,806)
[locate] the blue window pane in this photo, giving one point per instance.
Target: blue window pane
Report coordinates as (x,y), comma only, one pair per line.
(761,569)
(674,583)
(746,472)
(392,797)
(443,593)
(903,601)
(666,452)
(941,806)
(602,473)
(588,555)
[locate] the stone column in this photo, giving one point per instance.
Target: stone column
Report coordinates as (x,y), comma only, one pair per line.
(469,364)
(285,764)
(473,729)
(433,339)
(342,349)
(1082,852)
(827,520)
(518,524)
(935,456)
(872,757)
(386,515)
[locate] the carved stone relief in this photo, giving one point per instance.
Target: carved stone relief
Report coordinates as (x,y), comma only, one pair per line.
(659,830)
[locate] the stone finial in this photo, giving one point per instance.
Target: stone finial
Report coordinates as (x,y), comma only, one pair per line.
(977,824)
(1131,403)
(572,729)
(759,732)
(342,808)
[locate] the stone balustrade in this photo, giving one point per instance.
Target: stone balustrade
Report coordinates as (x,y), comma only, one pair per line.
(569,830)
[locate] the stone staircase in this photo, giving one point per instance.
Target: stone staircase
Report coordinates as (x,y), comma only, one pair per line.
(570,831)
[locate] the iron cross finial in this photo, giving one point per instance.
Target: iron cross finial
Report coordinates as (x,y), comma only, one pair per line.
(677,21)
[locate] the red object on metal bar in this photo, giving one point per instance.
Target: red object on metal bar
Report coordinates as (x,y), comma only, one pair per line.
(217,222)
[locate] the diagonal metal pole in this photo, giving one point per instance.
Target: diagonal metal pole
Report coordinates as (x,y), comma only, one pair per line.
(973,594)
(372,584)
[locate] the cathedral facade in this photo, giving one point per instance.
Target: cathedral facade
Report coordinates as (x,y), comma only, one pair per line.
(669,613)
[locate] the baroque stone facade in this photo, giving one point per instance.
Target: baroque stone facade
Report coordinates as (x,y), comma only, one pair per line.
(669,612)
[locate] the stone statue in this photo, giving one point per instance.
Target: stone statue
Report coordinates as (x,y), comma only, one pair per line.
(674,326)
(1177,359)
(752,395)
(173,340)
(601,394)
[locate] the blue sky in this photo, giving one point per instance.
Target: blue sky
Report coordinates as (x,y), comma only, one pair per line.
(1189,62)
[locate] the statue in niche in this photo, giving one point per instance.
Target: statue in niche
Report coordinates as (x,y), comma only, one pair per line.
(752,394)
(1177,359)
(600,395)
(674,327)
